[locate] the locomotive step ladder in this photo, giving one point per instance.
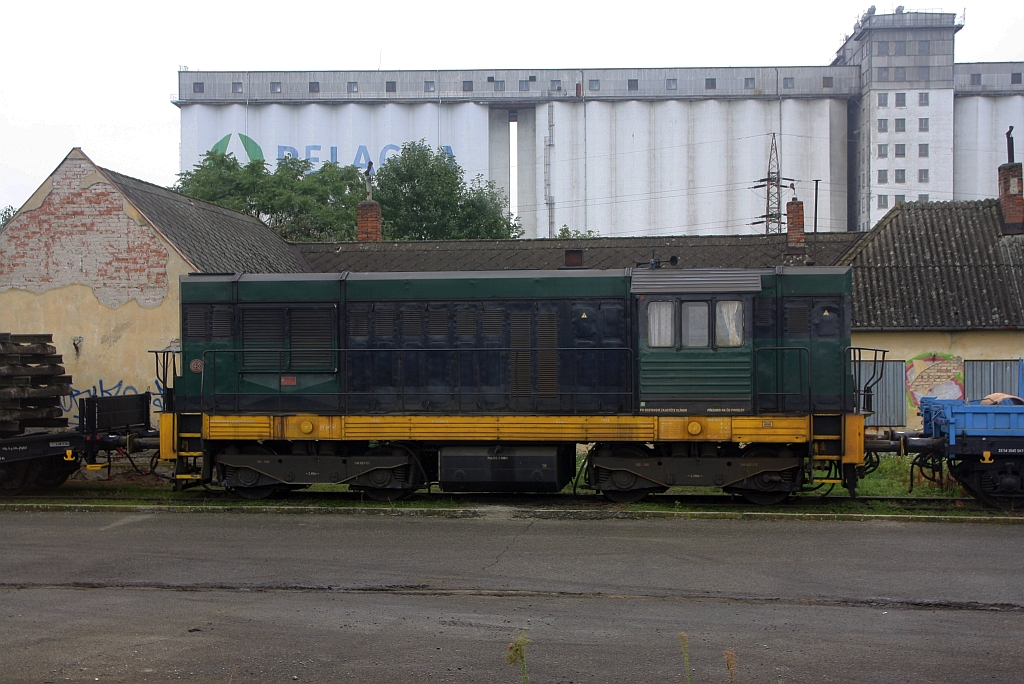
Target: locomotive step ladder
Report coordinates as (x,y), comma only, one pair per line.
(826,448)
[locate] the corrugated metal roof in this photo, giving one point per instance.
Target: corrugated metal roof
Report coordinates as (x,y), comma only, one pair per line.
(938,266)
(696,280)
(212,238)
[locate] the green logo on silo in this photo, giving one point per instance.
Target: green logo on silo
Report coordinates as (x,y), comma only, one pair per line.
(252,149)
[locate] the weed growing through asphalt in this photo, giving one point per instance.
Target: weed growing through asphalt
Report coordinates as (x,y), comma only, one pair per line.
(517,654)
(686,655)
(730,664)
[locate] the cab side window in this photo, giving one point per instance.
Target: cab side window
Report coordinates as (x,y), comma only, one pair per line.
(660,324)
(729,324)
(695,324)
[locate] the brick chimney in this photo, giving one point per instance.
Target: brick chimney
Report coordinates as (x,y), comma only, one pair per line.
(1011,201)
(795,227)
(368,222)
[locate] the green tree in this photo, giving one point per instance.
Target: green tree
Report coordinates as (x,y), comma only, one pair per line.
(6,214)
(567,233)
(424,196)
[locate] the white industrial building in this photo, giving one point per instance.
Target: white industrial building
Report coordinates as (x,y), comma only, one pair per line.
(653,151)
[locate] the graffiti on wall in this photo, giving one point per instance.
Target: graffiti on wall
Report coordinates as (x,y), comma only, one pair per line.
(934,374)
(69,404)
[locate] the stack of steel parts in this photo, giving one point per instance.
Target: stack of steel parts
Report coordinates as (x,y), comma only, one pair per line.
(32,382)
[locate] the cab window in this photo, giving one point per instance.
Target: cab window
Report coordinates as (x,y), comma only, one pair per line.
(695,324)
(729,324)
(659,324)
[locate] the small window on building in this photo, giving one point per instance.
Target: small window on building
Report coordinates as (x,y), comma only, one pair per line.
(827,81)
(883,201)
(788,82)
(524,85)
(594,84)
(923,198)
(236,86)
(729,324)
(901,175)
(899,73)
(883,176)
(428,86)
(901,99)
(352,86)
(924,47)
(391,86)
(922,175)
(314,86)
(695,324)
(883,47)
(198,87)
(923,74)
(556,84)
(275,86)
(922,125)
(900,199)
(883,151)
(901,47)
(922,150)
(922,99)
(499,86)
(900,151)
(883,99)
(883,73)
(1015,78)
(975,79)
(883,125)
(467,86)
(632,84)
(671,84)
(901,125)
(659,324)
(748,83)
(710,83)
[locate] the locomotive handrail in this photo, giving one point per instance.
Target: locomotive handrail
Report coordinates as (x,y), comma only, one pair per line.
(398,385)
(804,354)
(863,396)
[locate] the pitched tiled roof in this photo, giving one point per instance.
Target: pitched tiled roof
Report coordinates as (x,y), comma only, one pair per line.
(747,251)
(938,266)
(212,238)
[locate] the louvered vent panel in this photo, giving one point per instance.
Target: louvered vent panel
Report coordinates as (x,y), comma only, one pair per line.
(384,322)
(263,328)
(437,322)
(465,322)
(311,339)
(358,323)
(493,318)
(222,322)
(798,319)
(412,324)
(520,360)
(547,357)
(762,313)
(195,322)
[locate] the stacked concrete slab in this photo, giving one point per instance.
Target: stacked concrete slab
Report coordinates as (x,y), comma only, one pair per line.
(32,382)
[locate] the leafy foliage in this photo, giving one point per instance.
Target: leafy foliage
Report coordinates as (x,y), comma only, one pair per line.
(423,196)
(6,214)
(567,233)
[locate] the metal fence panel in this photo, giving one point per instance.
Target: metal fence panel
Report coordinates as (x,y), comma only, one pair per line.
(982,378)
(890,395)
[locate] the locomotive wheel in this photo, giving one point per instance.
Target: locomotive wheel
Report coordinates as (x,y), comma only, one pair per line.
(627,496)
(765,498)
(55,473)
(245,476)
(998,489)
(256,493)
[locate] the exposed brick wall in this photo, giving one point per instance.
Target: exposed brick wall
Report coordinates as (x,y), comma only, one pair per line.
(368,222)
(81,234)
(1011,198)
(795,227)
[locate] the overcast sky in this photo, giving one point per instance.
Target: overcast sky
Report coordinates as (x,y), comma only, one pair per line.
(100,75)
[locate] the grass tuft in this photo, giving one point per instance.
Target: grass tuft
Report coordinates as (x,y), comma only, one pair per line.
(516,655)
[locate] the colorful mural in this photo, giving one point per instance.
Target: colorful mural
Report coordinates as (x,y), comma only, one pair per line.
(934,374)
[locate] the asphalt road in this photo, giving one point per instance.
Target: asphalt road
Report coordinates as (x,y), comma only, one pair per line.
(241,598)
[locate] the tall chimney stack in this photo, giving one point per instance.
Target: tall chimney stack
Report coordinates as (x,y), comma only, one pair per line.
(795,227)
(1011,192)
(368,222)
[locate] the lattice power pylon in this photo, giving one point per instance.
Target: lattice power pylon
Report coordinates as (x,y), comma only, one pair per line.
(773,216)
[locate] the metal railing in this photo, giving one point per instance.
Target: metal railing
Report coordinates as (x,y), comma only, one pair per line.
(866,373)
(409,380)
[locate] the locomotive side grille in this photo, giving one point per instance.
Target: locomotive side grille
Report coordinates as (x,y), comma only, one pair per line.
(547,357)
(195,322)
(412,323)
(262,328)
(493,319)
(762,312)
(311,338)
(520,360)
(465,322)
(384,322)
(358,323)
(798,319)
(437,322)
(222,322)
